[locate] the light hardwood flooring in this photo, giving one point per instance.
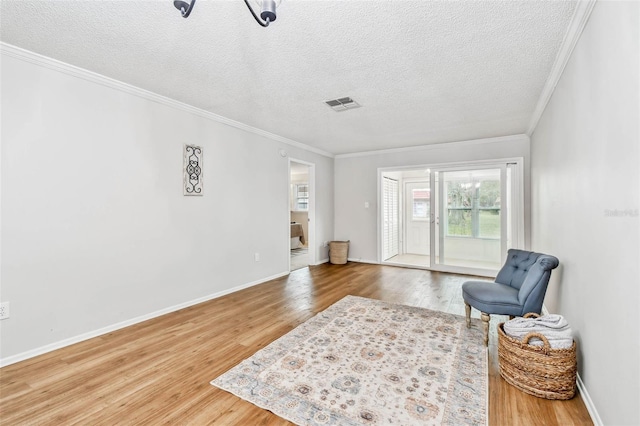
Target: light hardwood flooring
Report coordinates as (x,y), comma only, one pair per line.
(158,372)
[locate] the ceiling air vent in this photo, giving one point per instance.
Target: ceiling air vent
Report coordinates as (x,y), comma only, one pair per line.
(342,104)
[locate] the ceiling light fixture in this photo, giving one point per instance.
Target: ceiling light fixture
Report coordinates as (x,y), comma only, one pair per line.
(267,9)
(184,7)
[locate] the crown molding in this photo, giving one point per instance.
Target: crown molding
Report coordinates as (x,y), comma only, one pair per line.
(578,22)
(458,144)
(72,70)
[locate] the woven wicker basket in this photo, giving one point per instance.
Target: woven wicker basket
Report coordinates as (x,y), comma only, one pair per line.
(338,251)
(537,370)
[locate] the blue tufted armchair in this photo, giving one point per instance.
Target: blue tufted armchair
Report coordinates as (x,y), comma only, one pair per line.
(519,288)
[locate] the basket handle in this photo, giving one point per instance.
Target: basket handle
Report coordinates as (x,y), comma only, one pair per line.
(545,342)
(531,315)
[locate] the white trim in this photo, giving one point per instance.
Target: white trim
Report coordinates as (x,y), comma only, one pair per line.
(578,22)
(586,398)
(321,261)
(457,165)
(110,328)
(517,181)
(379,224)
(372,262)
(457,144)
(93,77)
(505,210)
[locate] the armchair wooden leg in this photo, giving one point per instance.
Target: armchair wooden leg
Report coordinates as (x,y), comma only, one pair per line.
(467,310)
(485,324)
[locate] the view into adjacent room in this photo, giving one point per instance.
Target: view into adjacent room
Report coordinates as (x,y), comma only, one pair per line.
(299,184)
(459,218)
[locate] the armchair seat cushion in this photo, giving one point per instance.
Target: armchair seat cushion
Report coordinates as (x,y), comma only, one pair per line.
(491,297)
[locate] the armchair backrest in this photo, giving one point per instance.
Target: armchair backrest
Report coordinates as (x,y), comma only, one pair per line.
(528,272)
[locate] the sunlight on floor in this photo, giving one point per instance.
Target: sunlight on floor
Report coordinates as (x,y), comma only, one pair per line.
(299,258)
(422,261)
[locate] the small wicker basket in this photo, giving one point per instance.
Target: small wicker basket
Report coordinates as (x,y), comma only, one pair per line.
(338,251)
(537,370)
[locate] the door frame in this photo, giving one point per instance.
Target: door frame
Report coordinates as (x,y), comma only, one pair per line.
(311,218)
(433,168)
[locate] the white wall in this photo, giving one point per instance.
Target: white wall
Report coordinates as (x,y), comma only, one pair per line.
(585,161)
(95,229)
(356,181)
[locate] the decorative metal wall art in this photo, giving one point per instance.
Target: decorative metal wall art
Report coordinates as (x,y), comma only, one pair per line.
(192,170)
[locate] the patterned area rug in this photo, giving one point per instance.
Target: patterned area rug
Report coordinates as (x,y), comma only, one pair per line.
(363,361)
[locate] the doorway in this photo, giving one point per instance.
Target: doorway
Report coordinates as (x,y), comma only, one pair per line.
(455,218)
(417,222)
(301,214)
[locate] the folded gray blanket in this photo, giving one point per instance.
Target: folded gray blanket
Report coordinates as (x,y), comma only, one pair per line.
(554,327)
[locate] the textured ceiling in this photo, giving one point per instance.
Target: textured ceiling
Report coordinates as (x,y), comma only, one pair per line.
(423,71)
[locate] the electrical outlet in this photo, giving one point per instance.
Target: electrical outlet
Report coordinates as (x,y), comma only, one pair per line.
(256,256)
(325,244)
(4,310)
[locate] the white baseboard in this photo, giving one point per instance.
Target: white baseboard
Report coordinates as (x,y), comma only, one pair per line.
(373,262)
(110,328)
(595,417)
(591,408)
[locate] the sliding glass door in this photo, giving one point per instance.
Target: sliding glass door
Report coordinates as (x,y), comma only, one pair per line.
(470,226)
(455,218)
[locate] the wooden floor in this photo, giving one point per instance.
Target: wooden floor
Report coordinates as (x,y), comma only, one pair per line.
(158,372)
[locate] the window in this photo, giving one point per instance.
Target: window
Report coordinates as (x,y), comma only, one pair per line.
(473,207)
(301,197)
(421,205)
